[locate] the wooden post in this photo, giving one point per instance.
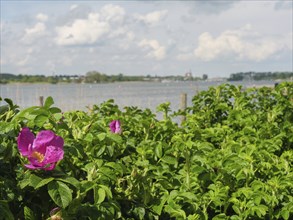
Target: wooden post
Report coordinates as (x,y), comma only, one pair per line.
(183,105)
(41,99)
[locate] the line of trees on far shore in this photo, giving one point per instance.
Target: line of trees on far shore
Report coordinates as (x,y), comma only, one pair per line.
(90,77)
(98,77)
(260,76)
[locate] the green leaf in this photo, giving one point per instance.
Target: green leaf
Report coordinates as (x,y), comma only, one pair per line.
(3,109)
(58,117)
(261,210)
(28,213)
(60,193)
(55,110)
(187,196)
(235,217)
(236,209)
(140,212)
(40,120)
(71,180)
(194,217)
(48,102)
(99,195)
(220,216)
(285,214)
(115,137)
(34,180)
(175,211)
(89,137)
(116,166)
(87,185)
(25,181)
(158,151)
(9,101)
(107,191)
(44,182)
(169,160)
(100,151)
(110,150)
(101,136)
(158,208)
(108,173)
(6,214)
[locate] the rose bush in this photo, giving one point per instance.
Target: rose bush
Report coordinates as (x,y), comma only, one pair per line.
(230,159)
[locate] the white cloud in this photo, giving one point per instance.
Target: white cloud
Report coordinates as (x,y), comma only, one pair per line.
(36,30)
(82,31)
(130,36)
(288,41)
(283,5)
(118,32)
(23,61)
(2,61)
(33,33)
(72,7)
(210,7)
(113,13)
(66,61)
(185,56)
(152,18)
(126,40)
(91,29)
(244,43)
(42,17)
(154,49)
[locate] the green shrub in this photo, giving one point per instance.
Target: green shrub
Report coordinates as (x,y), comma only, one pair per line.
(230,159)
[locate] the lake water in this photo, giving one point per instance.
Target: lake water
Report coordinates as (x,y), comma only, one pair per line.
(141,94)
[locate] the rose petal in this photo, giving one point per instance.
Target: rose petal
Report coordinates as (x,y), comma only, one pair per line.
(47,167)
(118,127)
(112,126)
(32,167)
(35,162)
(115,126)
(24,140)
(42,140)
(53,154)
(57,142)
(54,211)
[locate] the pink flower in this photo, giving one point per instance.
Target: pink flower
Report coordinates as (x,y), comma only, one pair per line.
(115,126)
(56,214)
(43,152)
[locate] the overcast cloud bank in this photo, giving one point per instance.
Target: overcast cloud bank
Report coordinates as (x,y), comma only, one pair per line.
(142,37)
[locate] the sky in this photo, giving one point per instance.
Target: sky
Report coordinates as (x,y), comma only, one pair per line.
(157,38)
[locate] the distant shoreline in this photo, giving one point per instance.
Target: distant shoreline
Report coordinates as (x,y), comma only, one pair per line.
(147,81)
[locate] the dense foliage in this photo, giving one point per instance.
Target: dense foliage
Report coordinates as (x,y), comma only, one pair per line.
(97,77)
(231,158)
(20,78)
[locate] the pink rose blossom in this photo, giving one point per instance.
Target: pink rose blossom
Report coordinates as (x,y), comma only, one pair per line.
(115,126)
(43,152)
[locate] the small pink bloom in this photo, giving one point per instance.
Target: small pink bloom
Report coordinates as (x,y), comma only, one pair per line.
(43,152)
(115,126)
(56,214)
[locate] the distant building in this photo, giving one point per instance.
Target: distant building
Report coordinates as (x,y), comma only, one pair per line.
(217,79)
(188,75)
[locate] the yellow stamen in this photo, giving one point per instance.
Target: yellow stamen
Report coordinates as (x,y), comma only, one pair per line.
(38,156)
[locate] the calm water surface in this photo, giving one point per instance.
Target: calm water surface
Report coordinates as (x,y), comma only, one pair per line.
(141,94)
